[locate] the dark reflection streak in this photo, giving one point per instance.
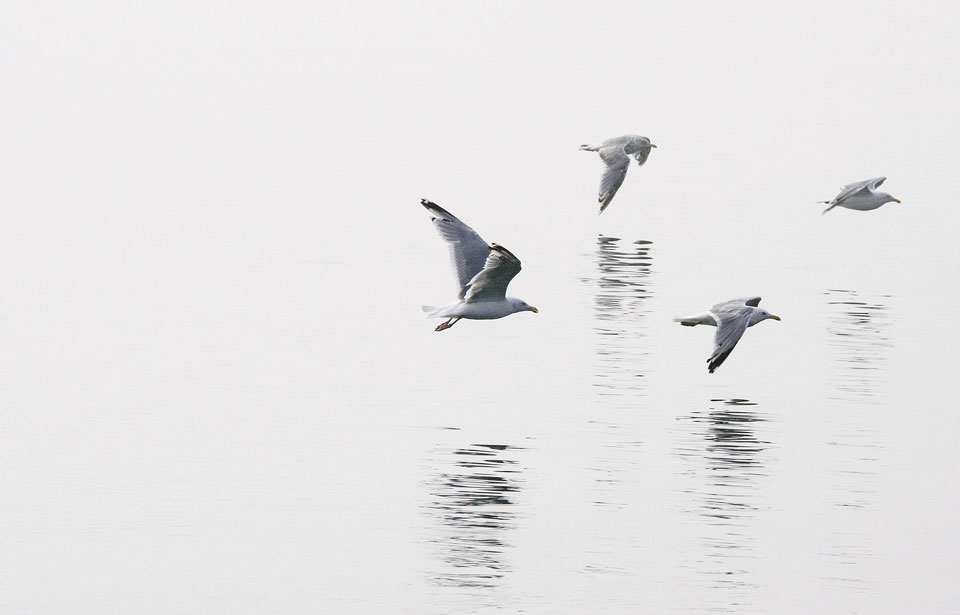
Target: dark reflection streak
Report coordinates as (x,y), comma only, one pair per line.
(723,442)
(472,503)
(620,290)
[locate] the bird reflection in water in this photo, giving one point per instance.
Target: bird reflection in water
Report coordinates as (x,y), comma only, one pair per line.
(858,343)
(473,501)
(621,293)
(728,462)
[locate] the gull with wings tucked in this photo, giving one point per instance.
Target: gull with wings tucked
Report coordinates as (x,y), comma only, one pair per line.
(483,273)
(616,153)
(731,318)
(861,196)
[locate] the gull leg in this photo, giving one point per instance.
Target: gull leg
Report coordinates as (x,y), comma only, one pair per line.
(446,325)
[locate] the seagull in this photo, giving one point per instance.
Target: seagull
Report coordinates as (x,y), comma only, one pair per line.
(483,273)
(731,318)
(615,153)
(861,196)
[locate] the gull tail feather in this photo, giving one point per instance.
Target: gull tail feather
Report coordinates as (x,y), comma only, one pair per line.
(697,319)
(589,148)
(429,309)
(828,208)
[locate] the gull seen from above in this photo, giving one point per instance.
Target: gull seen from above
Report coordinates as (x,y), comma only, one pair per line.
(483,272)
(731,318)
(616,153)
(861,196)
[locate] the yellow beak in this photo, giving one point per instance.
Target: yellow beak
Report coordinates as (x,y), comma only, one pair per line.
(775,317)
(534,310)
(652,145)
(897,201)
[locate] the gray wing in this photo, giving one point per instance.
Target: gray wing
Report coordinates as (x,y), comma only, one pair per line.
(642,154)
(617,163)
(468,251)
(735,305)
(851,189)
(491,283)
(730,327)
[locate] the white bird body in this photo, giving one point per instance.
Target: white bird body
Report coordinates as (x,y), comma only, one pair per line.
(713,320)
(478,310)
(861,196)
(615,154)
(731,318)
(483,273)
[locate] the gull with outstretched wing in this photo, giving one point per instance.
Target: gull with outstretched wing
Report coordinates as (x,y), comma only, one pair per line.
(731,318)
(483,273)
(615,154)
(862,196)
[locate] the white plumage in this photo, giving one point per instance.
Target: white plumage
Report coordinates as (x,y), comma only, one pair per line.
(616,153)
(483,273)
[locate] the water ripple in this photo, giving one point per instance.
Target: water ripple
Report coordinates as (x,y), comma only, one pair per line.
(621,290)
(472,498)
(859,343)
(727,459)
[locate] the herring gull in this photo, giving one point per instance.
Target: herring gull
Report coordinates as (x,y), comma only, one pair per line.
(483,273)
(861,196)
(731,318)
(616,153)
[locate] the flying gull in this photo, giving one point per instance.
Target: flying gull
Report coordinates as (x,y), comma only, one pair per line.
(483,273)
(731,318)
(616,153)
(861,196)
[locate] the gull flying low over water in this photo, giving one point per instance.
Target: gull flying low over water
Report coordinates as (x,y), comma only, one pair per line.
(483,273)
(616,153)
(861,196)
(731,318)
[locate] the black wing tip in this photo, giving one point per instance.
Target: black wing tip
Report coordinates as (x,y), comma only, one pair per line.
(436,209)
(717,360)
(496,247)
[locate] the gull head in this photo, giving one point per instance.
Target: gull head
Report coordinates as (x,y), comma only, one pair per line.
(519,305)
(760,314)
(886,198)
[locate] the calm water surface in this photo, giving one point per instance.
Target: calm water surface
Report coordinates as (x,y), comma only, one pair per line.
(220,395)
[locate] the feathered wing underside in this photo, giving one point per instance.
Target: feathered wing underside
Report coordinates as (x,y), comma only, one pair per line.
(729,331)
(617,163)
(468,251)
(490,284)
